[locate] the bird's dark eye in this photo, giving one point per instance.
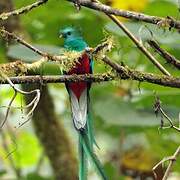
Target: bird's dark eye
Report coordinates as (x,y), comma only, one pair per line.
(68,33)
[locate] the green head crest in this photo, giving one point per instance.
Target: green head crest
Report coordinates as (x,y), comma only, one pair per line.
(70,32)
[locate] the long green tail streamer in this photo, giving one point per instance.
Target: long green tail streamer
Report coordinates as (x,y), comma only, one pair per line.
(82,160)
(88,152)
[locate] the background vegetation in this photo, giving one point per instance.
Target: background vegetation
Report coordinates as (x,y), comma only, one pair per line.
(126,127)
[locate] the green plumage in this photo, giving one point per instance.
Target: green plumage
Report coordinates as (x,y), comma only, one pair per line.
(87,147)
(82,160)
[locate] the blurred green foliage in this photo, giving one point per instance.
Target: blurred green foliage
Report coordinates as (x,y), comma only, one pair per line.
(123,110)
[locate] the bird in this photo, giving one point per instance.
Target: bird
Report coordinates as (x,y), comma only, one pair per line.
(80,102)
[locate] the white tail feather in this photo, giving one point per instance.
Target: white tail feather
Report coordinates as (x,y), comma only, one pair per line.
(79,109)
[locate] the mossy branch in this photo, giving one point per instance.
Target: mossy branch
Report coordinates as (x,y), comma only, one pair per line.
(5,16)
(166,55)
(67,60)
(124,73)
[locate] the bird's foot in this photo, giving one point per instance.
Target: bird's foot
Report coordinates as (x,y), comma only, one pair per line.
(77,5)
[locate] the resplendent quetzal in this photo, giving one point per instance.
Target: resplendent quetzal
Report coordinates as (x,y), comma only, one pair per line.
(79,99)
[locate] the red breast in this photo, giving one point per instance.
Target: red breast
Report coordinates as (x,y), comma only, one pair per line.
(82,67)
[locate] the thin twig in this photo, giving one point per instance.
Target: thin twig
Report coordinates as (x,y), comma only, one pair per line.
(172,159)
(5,34)
(16,170)
(5,16)
(139,45)
(8,109)
(167,56)
(33,103)
(158,109)
(92,4)
(169,119)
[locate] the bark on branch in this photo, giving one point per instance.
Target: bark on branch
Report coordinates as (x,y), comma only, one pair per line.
(167,56)
(124,73)
(170,22)
(67,60)
(139,45)
(172,159)
(5,16)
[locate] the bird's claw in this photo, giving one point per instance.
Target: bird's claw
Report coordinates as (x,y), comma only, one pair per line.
(77,5)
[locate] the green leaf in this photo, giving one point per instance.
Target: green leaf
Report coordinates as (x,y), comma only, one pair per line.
(27,151)
(112,171)
(35,176)
(2,172)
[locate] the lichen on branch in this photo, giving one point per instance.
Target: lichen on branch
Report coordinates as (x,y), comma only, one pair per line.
(5,16)
(65,61)
(16,68)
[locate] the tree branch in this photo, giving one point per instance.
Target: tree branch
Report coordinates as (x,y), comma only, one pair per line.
(59,79)
(172,159)
(128,14)
(169,120)
(159,110)
(139,45)
(5,145)
(5,34)
(124,73)
(67,59)
(167,56)
(22,10)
